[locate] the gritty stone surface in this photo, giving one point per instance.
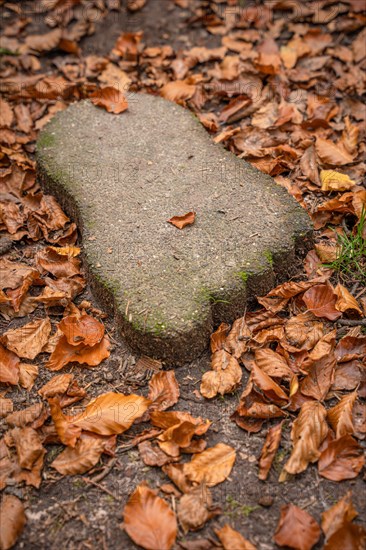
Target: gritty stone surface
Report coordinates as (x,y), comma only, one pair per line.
(121,177)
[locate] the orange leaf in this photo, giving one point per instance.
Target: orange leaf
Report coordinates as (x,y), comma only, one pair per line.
(82,457)
(28,340)
(342,459)
(308,432)
(9,363)
(177,91)
(338,515)
(265,383)
(340,416)
(12,521)
(163,390)
(110,99)
(182,221)
(212,466)
(296,529)
(330,153)
(345,300)
(218,337)
(224,377)
(149,520)
(269,450)
(233,540)
(321,301)
(65,353)
(82,329)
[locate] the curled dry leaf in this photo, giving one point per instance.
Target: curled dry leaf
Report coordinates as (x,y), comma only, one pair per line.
(321,301)
(269,388)
(195,508)
(9,363)
(50,260)
(278,298)
(345,301)
(82,329)
(335,181)
(149,520)
(6,407)
(296,529)
(35,415)
(233,540)
(12,521)
(28,446)
(82,457)
(340,416)
(218,338)
(308,432)
(56,386)
(27,375)
(110,99)
(28,340)
(65,353)
(269,450)
(182,221)
(180,427)
(224,377)
(152,455)
(212,466)
(351,347)
(343,458)
(178,91)
(320,377)
(163,390)
(338,515)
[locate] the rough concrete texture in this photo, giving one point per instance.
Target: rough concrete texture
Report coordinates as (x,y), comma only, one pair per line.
(121,177)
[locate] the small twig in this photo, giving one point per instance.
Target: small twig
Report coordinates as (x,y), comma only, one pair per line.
(105,470)
(352,322)
(101,487)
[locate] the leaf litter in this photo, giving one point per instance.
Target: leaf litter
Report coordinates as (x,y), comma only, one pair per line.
(265,93)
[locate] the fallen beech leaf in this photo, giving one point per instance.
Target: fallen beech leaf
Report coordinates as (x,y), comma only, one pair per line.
(212,466)
(330,153)
(149,520)
(351,536)
(320,377)
(253,410)
(65,353)
(218,337)
(269,450)
(6,407)
(127,45)
(265,383)
(308,432)
(321,301)
(27,375)
(350,347)
(82,457)
(342,459)
(348,375)
(9,363)
(338,515)
(224,377)
(176,473)
(163,390)
(44,42)
(60,265)
(28,340)
(296,529)
(182,221)
(233,540)
(152,455)
(335,181)
(66,430)
(111,413)
(180,427)
(340,416)
(277,298)
(28,446)
(345,300)
(12,521)
(56,386)
(110,99)
(194,508)
(178,91)
(35,415)
(82,329)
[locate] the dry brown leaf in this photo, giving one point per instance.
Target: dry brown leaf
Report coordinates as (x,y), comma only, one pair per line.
(320,376)
(321,301)
(212,466)
(308,432)
(163,390)
(330,153)
(224,377)
(269,388)
(296,529)
(9,363)
(110,99)
(269,450)
(35,415)
(82,329)
(60,265)
(6,407)
(345,300)
(182,221)
(56,386)
(195,508)
(343,458)
(350,347)
(178,91)
(111,413)
(28,340)
(351,536)
(27,375)
(66,430)
(82,457)
(233,540)
(277,298)
(338,515)
(340,416)
(65,353)
(152,455)
(149,520)
(28,446)
(218,337)
(12,521)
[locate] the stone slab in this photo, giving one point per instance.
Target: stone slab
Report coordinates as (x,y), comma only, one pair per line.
(121,177)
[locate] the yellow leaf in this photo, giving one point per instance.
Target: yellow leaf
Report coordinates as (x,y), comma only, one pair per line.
(335,181)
